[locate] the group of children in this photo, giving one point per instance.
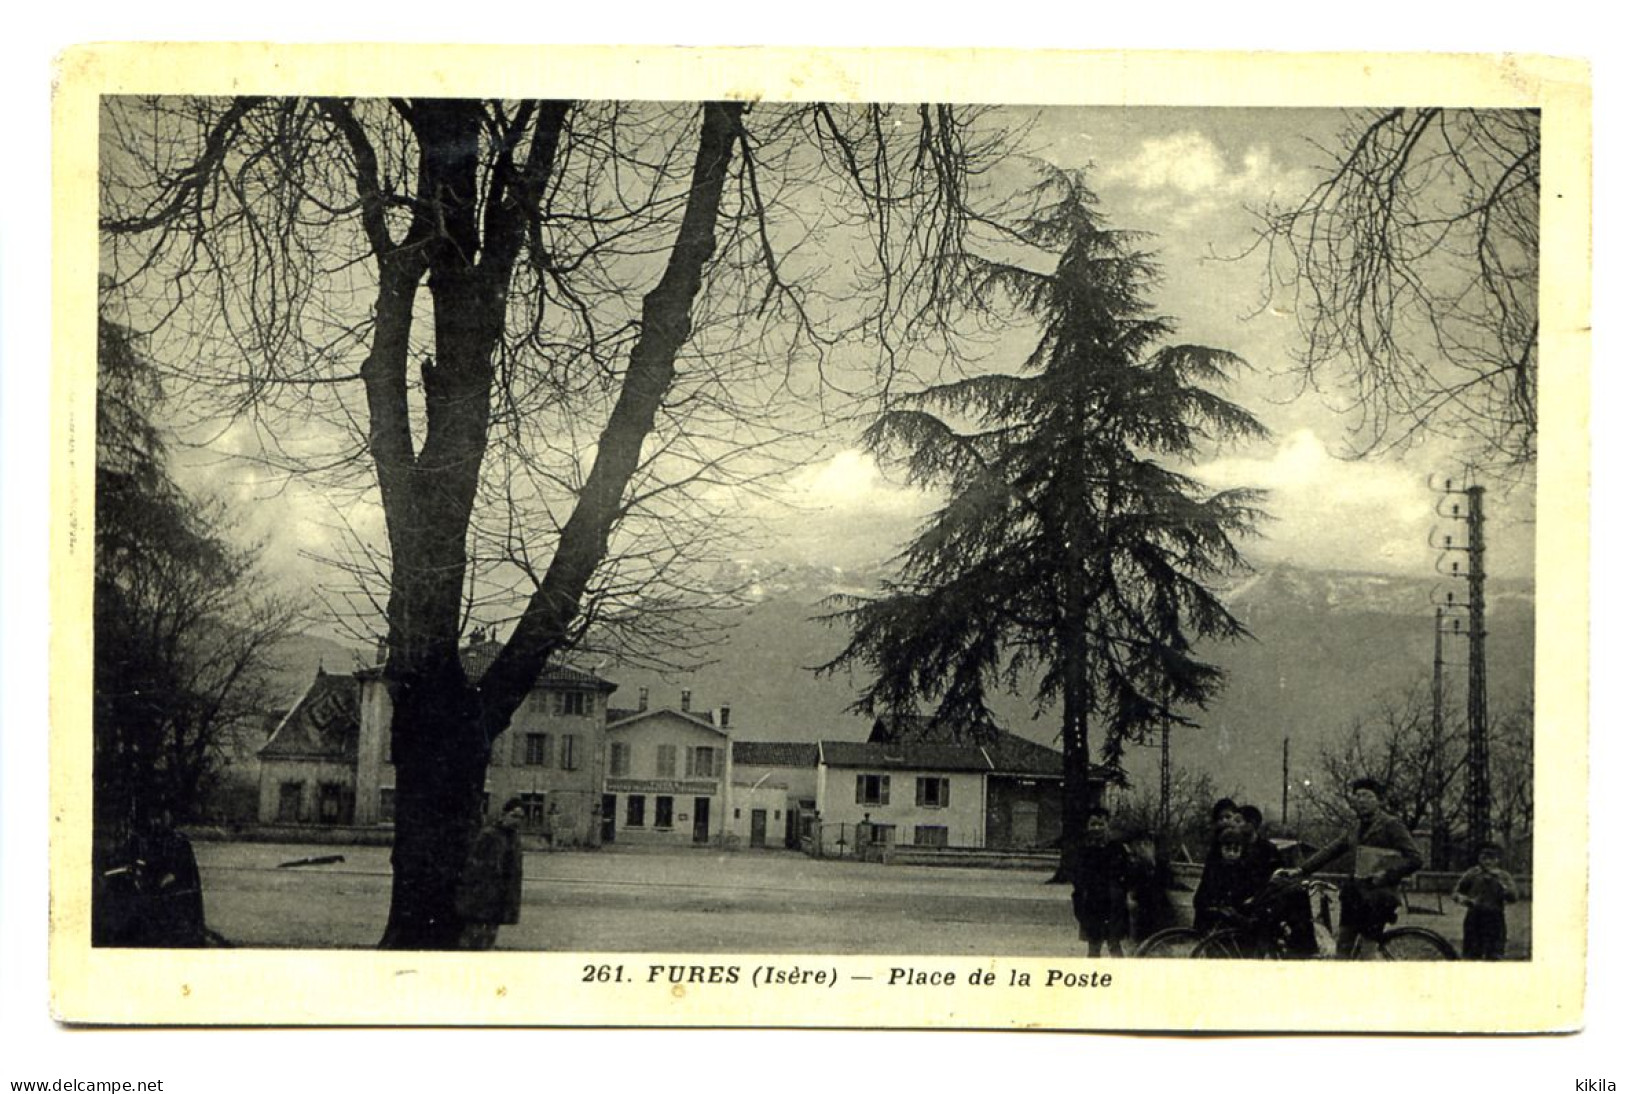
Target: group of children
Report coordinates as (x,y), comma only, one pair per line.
(1240,863)
(1239,867)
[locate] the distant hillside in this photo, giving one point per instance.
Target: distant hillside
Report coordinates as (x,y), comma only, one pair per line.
(295,659)
(1326,647)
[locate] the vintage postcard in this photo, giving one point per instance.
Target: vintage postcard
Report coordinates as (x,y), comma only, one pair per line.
(819,538)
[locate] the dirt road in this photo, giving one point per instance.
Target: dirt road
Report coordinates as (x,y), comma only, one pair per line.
(685,901)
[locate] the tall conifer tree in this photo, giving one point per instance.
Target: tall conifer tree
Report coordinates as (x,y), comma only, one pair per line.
(1070,549)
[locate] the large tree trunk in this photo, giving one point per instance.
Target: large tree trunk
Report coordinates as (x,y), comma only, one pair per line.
(443,724)
(1076,789)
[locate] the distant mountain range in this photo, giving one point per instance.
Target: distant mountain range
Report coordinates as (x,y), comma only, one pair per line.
(1327,647)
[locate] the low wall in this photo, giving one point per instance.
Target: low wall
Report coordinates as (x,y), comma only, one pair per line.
(1423,881)
(353,835)
(982,858)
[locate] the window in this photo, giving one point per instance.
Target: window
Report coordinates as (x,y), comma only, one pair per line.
(874,789)
(930,835)
(386,805)
(535,807)
(634,811)
(620,759)
(567,752)
(537,701)
(663,811)
(736,814)
(290,796)
(931,792)
(666,760)
(539,749)
(702,762)
(883,833)
(333,801)
(572,704)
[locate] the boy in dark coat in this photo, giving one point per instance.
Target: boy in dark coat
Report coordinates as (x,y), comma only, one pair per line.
(156,897)
(1229,880)
(1100,886)
(489,891)
(1485,890)
(1370,898)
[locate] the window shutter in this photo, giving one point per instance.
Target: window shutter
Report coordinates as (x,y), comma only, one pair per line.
(885,790)
(944,792)
(688,762)
(547,750)
(558,704)
(859,798)
(498,747)
(518,754)
(588,701)
(919,791)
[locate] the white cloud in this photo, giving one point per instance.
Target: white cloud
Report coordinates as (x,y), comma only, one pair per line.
(851,480)
(1334,513)
(1187,174)
(843,511)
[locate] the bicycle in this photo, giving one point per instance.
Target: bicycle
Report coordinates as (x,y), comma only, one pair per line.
(1183,941)
(1256,933)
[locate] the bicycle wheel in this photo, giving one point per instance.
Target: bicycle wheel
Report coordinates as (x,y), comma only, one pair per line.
(1170,942)
(1414,944)
(1223,944)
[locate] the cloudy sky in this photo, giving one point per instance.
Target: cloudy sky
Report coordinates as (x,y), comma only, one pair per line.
(1189,177)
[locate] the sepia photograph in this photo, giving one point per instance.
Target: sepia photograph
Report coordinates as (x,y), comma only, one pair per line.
(720,550)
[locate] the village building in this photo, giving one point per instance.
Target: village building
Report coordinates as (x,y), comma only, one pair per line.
(910,784)
(667,775)
(308,765)
(588,774)
(774,793)
(329,760)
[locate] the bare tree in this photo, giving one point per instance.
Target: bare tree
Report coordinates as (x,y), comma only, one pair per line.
(1394,742)
(1191,795)
(1413,268)
(542,332)
(1512,780)
(185,630)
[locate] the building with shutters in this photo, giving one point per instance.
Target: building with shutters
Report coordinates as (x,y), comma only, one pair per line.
(329,760)
(666,775)
(911,783)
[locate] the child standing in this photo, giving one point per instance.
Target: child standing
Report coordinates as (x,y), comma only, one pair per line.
(1100,886)
(1485,890)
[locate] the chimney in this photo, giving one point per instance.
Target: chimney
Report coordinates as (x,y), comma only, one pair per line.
(381,651)
(688,698)
(722,715)
(643,700)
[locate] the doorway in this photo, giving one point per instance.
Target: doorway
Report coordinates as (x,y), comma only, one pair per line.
(606,821)
(702,820)
(758,827)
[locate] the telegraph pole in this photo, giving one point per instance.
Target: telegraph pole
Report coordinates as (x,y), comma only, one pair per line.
(1286,752)
(1478,732)
(1477,797)
(1439,851)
